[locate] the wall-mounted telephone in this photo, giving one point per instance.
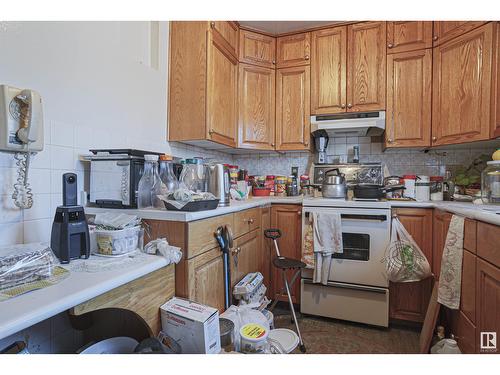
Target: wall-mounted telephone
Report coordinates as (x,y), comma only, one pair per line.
(21,131)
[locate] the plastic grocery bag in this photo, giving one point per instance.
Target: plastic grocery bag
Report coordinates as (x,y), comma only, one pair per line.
(241,315)
(404,261)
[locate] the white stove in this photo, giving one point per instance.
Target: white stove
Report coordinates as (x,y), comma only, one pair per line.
(357,288)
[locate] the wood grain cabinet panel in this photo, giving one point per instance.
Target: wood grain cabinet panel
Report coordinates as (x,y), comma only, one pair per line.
(293,50)
(366,61)
(205,275)
(228,30)
(293,108)
(404,36)
(246,221)
(495,124)
(447,30)
(257,49)
(328,70)
(409,301)
(468,289)
(408,116)
(488,242)
(441,223)
(256,125)
(487,298)
(266,250)
(244,258)
(287,218)
(462,87)
(222,86)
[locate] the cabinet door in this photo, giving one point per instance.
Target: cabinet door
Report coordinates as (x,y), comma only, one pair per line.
(287,218)
(257,49)
(468,288)
(447,30)
(256,107)
(293,108)
(328,70)
(495,128)
(404,36)
(366,57)
(462,88)
(441,223)
(409,301)
(222,85)
(206,279)
(293,50)
(488,299)
(408,118)
(228,31)
(244,258)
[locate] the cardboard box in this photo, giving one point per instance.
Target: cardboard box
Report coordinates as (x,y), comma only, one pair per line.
(195,327)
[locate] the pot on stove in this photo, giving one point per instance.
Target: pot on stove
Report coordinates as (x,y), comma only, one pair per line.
(333,184)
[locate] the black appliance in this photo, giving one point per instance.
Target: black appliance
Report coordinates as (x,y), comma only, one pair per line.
(70,232)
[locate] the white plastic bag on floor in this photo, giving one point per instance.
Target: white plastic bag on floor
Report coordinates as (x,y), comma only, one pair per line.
(404,261)
(241,315)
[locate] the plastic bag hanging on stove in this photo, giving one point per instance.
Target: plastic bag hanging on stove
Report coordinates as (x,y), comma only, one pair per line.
(404,261)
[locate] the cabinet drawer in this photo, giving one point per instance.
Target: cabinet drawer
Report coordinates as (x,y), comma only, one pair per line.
(228,30)
(201,234)
(488,238)
(293,50)
(246,221)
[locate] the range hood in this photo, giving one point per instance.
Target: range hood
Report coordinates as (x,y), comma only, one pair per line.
(350,124)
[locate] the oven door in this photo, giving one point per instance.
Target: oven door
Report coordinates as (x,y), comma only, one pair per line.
(365,236)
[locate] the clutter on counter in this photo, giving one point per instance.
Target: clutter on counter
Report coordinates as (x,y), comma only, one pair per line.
(160,246)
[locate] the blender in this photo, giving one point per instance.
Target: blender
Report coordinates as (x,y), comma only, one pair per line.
(321,144)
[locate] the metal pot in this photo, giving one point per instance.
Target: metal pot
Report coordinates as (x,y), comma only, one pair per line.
(333,184)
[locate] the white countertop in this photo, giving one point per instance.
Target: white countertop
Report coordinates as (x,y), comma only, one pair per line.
(23,311)
(485,213)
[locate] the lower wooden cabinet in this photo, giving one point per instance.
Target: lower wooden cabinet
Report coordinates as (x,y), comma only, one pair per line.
(244,256)
(408,301)
(266,251)
(487,299)
(287,218)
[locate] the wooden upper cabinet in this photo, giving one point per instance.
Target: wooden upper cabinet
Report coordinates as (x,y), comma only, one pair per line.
(408,116)
(228,30)
(293,50)
(256,107)
(495,124)
(447,30)
(257,49)
(404,36)
(366,62)
(462,87)
(222,86)
(328,70)
(293,108)
(409,301)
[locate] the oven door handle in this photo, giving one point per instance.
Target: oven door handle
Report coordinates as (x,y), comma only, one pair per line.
(364,288)
(358,217)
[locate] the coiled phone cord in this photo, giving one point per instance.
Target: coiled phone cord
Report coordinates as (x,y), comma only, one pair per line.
(23,196)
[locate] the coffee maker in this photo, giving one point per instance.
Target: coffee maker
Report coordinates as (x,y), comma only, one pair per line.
(321,144)
(70,233)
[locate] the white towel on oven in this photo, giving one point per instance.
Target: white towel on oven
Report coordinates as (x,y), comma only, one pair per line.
(327,229)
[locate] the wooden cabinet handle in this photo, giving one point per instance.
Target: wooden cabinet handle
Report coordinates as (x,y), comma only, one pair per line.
(251,221)
(389,140)
(342,106)
(212,24)
(272,145)
(274,62)
(435,37)
(306,57)
(434,139)
(211,131)
(299,212)
(306,144)
(390,45)
(349,105)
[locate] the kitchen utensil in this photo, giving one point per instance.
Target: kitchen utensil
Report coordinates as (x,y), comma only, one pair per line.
(333,184)
(224,237)
(394,180)
(321,144)
(194,206)
(218,182)
(226,327)
(372,191)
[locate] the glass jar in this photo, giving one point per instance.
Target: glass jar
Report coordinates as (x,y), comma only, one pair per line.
(167,176)
(280,186)
(490,182)
(436,188)
(150,185)
(193,175)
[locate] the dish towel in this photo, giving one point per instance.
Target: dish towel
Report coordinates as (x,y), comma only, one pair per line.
(327,233)
(450,278)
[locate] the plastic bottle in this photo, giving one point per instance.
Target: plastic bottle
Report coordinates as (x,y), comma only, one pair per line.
(167,176)
(150,185)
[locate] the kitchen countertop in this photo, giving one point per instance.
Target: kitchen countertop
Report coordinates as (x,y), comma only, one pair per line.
(485,213)
(23,311)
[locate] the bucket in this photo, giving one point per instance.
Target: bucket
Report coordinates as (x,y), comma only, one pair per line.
(253,338)
(284,340)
